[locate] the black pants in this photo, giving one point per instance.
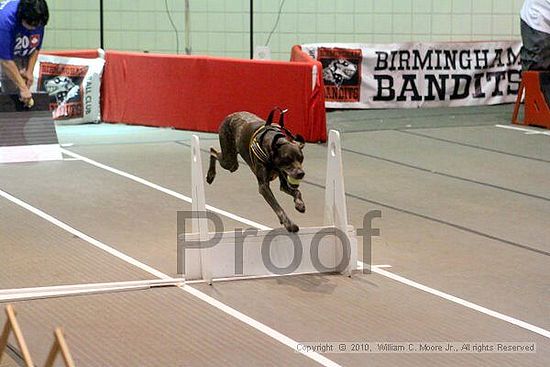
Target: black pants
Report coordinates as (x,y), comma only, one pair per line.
(535,55)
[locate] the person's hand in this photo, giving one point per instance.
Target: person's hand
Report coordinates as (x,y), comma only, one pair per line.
(28,76)
(25,96)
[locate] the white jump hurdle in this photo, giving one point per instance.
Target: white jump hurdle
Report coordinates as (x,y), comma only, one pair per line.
(261,253)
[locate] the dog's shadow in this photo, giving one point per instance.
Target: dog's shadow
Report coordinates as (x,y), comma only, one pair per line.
(324,283)
(311,283)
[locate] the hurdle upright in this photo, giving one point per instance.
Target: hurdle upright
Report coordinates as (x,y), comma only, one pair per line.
(330,248)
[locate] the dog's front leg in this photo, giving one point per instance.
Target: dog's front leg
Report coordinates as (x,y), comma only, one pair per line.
(295,193)
(212,168)
(266,192)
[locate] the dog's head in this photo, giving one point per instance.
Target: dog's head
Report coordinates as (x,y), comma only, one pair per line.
(288,158)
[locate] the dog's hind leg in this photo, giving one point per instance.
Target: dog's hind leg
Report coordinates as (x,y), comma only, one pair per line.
(227,161)
(227,157)
(295,193)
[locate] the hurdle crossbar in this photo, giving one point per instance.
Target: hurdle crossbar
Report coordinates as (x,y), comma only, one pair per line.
(324,249)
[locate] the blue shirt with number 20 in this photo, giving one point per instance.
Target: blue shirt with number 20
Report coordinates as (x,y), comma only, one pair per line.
(16,41)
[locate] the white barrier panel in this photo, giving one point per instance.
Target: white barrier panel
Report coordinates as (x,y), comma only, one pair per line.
(324,249)
(73,84)
(30,153)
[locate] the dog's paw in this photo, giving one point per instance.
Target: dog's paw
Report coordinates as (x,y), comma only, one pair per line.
(210,177)
(300,206)
(291,227)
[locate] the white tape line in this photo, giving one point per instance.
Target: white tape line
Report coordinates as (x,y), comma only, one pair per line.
(259,326)
(526,131)
(460,301)
(85,237)
(379,271)
(213,302)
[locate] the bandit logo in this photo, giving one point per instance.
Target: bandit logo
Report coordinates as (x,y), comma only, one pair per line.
(341,73)
(63,83)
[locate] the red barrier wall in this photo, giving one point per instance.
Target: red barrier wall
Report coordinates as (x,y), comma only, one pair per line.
(316,104)
(196,93)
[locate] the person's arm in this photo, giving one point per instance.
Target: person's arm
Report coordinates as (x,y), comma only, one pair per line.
(7,40)
(13,73)
(28,73)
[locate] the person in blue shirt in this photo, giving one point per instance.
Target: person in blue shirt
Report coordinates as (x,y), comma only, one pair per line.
(22,25)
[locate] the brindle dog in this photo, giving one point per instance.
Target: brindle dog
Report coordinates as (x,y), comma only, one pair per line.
(270,151)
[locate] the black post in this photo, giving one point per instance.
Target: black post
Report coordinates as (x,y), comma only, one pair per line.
(101,24)
(251,29)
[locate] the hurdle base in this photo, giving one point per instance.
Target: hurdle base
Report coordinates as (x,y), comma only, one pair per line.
(279,255)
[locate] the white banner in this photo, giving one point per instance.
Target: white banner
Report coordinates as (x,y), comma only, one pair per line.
(73,85)
(412,75)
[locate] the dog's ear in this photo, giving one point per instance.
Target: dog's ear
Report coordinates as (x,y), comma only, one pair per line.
(300,140)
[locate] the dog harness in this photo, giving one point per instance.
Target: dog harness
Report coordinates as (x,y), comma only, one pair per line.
(256,142)
(255,147)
